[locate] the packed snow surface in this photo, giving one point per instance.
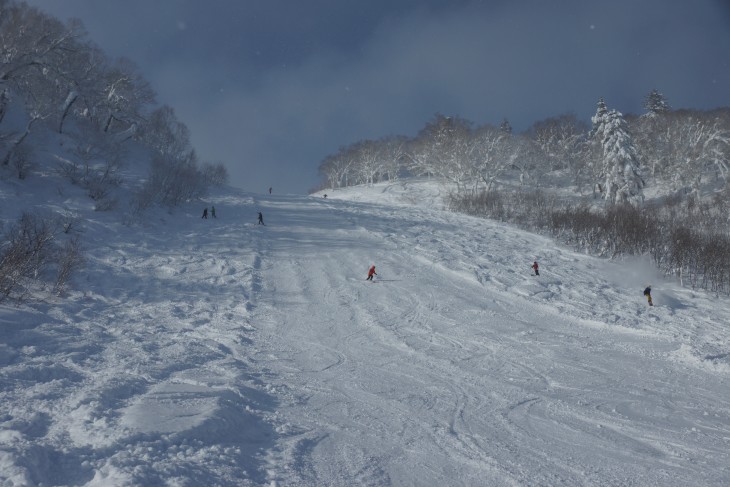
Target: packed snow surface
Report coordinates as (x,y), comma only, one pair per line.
(210,352)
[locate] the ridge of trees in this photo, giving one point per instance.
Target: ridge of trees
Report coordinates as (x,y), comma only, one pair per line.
(615,158)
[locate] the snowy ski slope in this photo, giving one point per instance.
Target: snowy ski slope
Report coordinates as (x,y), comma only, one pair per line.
(220,352)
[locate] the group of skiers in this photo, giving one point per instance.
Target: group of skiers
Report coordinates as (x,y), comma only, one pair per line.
(212,212)
(535,267)
(371,272)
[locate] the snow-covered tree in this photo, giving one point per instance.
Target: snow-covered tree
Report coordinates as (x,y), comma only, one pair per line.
(33,43)
(453,147)
(529,159)
(601,111)
(172,181)
(164,133)
(214,173)
(562,139)
(337,168)
(370,161)
(15,141)
(393,151)
(622,177)
(37,52)
(491,154)
(655,104)
(442,148)
(79,83)
(419,156)
(699,143)
(650,132)
(506,127)
(125,94)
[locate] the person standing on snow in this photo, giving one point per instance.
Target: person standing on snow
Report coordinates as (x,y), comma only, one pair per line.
(647,293)
(212,211)
(535,267)
(371,273)
(261,219)
(205,213)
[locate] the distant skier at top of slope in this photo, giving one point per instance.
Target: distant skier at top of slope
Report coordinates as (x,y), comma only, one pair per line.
(371,273)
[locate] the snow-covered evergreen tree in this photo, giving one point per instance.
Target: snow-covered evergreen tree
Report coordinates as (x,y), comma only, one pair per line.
(601,111)
(620,162)
(506,127)
(655,104)
(651,133)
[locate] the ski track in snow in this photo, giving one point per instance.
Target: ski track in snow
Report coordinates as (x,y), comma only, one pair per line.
(220,352)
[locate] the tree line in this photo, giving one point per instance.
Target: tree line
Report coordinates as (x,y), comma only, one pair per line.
(615,157)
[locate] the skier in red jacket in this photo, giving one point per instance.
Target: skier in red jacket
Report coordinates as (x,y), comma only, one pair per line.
(371,273)
(536,267)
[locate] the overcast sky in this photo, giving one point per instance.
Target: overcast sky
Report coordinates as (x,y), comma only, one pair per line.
(271,87)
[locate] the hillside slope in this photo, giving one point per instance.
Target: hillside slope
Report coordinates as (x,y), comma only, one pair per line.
(221,352)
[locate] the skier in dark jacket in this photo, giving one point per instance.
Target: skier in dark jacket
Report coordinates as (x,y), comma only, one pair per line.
(647,293)
(261,219)
(205,213)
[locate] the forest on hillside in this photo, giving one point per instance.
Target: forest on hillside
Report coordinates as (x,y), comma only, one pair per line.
(54,79)
(70,113)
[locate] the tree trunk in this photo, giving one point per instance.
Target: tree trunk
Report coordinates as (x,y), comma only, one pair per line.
(69,103)
(15,145)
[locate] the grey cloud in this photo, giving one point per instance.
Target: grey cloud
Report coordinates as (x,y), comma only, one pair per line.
(271,88)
